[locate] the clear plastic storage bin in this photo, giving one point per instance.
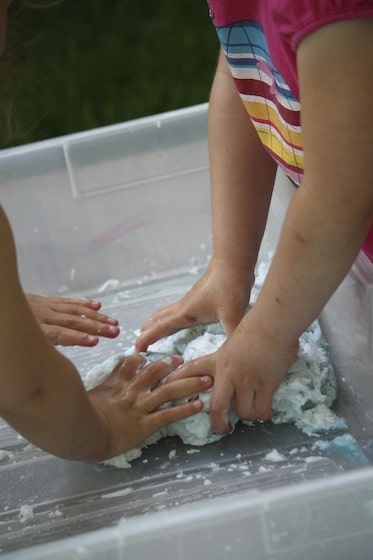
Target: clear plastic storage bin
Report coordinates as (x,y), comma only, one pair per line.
(122,214)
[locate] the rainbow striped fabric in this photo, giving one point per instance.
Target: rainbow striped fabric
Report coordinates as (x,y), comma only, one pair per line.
(272,107)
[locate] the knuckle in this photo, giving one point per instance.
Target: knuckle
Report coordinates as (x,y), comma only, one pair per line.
(129,365)
(169,415)
(75,309)
(155,369)
(71,321)
(134,361)
(53,331)
(166,392)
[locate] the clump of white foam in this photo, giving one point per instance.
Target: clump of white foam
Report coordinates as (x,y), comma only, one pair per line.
(275,456)
(304,398)
(26,513)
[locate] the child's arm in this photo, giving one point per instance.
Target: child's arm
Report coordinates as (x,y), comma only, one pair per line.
(332,211)
(242,178)
(324,228)
(42,395)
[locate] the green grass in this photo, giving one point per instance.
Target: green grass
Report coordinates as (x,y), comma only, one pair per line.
(89,63)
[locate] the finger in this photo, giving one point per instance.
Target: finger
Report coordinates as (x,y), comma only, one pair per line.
(92,303)
(220,406)
(84,325)
(195,368)
(61,336)
(92,314)
(263,405)
(153,373)
(130,366)
(245,405)
(78,308)
(179,389)
(166,416)
(87,303)
(159,315)
(162,326)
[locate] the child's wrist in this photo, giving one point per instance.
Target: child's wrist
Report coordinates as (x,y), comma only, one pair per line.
(101,447)
(272,330)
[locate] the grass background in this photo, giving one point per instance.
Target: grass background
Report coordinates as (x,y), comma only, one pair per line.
(82,64)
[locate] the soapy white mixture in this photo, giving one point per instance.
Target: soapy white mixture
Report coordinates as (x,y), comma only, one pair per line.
(304,398)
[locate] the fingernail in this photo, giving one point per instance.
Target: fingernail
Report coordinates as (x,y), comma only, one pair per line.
(114,330)
(197,404)
(111,320)
(91,339)
(206,379)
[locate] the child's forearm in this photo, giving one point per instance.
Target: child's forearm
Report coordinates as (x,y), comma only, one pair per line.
(333,209)
(242,175)
(318,245)
(57,415)
(42,395)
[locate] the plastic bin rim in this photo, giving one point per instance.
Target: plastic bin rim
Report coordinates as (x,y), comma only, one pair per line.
(199,511)
(184,112)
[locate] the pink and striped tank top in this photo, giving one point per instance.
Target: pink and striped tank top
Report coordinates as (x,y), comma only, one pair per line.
(260,39)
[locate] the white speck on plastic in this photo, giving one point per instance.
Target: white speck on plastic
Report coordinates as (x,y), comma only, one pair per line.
(160,494)
(117,494)
(275,456)
(110,284)
(294,451)
(26,513)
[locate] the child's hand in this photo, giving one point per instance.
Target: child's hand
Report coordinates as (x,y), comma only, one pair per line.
(129,400)
(221,294)
(248,367)
(69,322)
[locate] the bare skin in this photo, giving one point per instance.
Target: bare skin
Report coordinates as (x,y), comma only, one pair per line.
(71,321)
(42,395)
(223,291)
(324,228)
(140,397)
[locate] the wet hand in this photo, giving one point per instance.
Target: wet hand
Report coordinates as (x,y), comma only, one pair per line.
(219,295)
(248,368)
(70,321)
(130,400)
